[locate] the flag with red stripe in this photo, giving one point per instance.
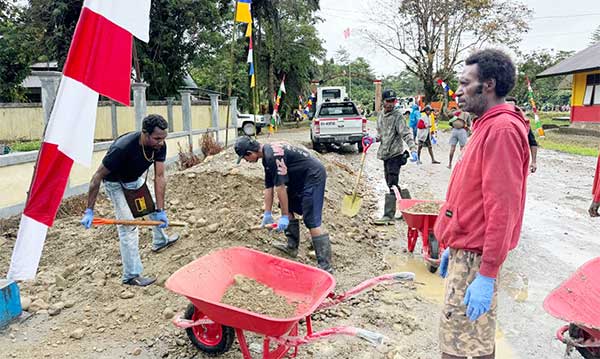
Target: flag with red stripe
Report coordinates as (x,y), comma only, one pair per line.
(98,62)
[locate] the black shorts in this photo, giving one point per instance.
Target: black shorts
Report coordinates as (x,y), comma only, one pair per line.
(308,204)
(427,142)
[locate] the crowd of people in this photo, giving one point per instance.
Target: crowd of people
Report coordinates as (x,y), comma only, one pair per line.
(479,223)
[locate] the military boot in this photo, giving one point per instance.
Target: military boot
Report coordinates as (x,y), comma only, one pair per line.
(389,210)
(293,239)
(323,252)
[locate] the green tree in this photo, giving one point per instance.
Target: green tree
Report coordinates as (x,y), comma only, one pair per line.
(431,37)
(547,90)
(15,51)
(595,38)
(405,83)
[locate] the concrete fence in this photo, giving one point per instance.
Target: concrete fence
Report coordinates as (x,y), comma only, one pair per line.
(188,121)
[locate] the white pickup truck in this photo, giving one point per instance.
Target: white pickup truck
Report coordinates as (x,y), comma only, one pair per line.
(247,124)
(337,123)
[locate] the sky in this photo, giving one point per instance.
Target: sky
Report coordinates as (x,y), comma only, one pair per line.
(556,24)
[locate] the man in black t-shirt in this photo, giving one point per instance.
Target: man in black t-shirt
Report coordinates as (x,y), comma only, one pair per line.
(123,167)
(299,180)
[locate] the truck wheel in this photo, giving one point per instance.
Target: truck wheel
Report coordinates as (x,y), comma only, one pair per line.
(213,339)
(249,129)
(434,252)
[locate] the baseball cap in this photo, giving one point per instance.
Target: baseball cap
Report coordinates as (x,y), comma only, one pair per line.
(243,145)
(388,94)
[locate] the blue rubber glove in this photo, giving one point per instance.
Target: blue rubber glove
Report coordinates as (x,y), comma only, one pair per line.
(478,297)
(283,223)
(267,218)
(88,216)
(161,215)
(414,156)
(444,263)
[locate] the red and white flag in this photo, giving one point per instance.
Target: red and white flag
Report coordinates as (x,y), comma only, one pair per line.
(99,62)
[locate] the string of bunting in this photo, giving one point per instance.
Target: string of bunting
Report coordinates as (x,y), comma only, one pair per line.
(447,89)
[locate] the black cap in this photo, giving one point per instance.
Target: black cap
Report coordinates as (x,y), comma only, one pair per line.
(388,94)
(243,145)
(427,108)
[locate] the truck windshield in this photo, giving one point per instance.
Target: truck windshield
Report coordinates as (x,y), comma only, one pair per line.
(331,94)
(338,109)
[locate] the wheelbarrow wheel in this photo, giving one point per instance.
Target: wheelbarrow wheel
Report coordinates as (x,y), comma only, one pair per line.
(213,339)
(576,332)
(434,252)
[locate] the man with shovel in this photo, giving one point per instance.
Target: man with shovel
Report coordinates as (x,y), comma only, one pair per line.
(122,170)
(299,181)
(391,131)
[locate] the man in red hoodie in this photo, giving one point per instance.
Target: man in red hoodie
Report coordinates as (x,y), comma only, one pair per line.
(482,216)
(596,192)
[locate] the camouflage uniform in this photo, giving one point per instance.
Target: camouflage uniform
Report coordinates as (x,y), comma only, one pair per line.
(392,129)
(458,335)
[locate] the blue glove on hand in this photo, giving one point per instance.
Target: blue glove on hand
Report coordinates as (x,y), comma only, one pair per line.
(283,223)
(88,216)
(162,216)
(414,156)
(478,297)
(444,263)
(267,218)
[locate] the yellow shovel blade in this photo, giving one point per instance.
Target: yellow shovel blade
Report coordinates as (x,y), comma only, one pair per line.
(350,208)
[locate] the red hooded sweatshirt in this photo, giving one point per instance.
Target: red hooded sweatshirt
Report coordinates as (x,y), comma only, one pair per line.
(484,205)
(596,187)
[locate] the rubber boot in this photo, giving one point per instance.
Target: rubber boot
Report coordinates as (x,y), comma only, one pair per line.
(293,239)
(389,210)
(404,194)
(323,252)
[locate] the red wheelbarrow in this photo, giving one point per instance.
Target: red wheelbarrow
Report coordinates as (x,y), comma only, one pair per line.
(420,224)
(577,301)
(211,326)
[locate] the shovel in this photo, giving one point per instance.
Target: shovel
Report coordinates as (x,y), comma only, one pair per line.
(351,203)
(133,222)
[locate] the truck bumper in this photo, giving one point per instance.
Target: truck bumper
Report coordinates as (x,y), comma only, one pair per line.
(339,138)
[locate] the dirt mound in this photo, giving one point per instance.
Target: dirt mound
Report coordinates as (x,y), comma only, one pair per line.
(82,309)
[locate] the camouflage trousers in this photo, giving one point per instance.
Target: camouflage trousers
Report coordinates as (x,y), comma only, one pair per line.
(458,335)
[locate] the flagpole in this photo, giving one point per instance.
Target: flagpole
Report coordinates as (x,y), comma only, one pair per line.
(255,88)
(231,69)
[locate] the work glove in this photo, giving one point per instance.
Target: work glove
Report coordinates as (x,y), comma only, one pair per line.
(413,156)
(478,297)
(161,215)
(283,223)
(267,218)
(444,263)
(88,217)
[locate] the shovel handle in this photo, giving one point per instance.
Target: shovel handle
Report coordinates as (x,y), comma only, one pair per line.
(132,222)
(269,226)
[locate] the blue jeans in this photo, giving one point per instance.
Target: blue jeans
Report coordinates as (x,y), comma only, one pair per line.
(128,235)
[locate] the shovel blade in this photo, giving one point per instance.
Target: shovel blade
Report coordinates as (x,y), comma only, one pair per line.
(351,207)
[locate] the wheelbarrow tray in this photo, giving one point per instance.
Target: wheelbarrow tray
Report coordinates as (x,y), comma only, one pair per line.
(414,220)
(577,299)
(205,280)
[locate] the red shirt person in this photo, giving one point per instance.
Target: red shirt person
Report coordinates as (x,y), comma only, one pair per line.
(482,216)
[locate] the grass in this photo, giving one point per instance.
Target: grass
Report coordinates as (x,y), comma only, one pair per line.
(25,146)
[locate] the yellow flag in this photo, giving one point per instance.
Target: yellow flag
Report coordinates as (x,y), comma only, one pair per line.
(249,29)
(242,11)
(252,81)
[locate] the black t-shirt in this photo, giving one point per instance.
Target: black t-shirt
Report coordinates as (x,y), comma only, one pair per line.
(125,159)
(291,166)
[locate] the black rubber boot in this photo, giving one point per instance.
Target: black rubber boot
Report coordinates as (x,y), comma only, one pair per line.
(323,252)
(389,210)
(404,194)
(293,239)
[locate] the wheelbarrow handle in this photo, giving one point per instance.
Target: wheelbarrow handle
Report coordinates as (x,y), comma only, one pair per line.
(367,335)
(368,284)
(132,222)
